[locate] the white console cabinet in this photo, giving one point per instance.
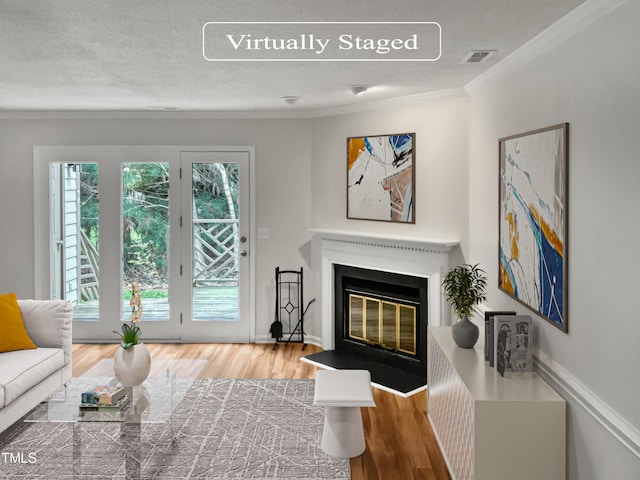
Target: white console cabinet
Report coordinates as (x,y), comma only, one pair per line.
(491,427)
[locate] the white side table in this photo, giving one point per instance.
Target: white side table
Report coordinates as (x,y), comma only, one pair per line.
(343,392)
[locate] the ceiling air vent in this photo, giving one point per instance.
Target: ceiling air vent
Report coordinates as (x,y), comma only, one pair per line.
(477,56)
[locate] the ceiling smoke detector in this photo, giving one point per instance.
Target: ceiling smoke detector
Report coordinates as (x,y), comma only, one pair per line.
(290,100)
(477,56)
(358,89)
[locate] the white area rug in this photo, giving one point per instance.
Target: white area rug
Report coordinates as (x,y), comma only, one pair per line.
(223,428)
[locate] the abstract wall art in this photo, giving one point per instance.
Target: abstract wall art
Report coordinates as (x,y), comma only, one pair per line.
(533,221)
(381,178)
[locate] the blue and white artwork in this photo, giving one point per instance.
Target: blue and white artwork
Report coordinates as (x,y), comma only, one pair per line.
(380,178)
(532,223)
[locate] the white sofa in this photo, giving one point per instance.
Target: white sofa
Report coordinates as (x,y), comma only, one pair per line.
(27,377)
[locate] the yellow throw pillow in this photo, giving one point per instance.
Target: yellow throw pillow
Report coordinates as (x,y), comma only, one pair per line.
(13,332)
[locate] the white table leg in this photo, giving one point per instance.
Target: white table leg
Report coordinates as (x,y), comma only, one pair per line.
(343,435)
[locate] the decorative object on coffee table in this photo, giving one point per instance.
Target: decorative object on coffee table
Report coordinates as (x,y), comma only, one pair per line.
(131,366)
(464,287)
(132,361)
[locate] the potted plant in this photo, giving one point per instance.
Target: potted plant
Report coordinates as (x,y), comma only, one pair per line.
(132,361)
(464,288)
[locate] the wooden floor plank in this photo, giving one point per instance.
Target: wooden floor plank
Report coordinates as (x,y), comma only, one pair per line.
(400,442)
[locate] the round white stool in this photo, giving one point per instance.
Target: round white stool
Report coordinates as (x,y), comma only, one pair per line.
(343,392)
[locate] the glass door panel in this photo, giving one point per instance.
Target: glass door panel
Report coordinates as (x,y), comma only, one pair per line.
(145,237)
(215,241)
(218,238)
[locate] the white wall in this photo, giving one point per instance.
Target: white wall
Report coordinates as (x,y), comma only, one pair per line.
(440,123)
(282,182)
(441,151)
(592,81)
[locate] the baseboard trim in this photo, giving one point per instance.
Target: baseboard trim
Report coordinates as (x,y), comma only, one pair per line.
(568,385)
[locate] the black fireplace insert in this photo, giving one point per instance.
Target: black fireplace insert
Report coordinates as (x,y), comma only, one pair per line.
(381,317)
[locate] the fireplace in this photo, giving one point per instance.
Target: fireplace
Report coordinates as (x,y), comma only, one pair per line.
(381,316)
(383,273)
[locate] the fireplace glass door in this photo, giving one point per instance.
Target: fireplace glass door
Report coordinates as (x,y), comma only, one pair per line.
(382,322)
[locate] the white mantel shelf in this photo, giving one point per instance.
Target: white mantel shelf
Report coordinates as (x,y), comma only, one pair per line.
(440,245)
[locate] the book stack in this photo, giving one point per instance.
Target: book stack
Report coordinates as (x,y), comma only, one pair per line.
(108,395)
(103,398)
(508,342)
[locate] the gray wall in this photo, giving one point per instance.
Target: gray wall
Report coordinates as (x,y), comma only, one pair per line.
(283,176)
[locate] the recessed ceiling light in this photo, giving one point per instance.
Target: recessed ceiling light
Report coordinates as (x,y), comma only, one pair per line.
(290,100)
(358,89)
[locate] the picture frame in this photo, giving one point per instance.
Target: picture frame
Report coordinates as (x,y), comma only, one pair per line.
(533,226)
(381,178)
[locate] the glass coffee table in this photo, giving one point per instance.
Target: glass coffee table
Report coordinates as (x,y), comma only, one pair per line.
(153,402)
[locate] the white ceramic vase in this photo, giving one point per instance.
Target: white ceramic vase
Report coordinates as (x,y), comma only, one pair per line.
(132,365)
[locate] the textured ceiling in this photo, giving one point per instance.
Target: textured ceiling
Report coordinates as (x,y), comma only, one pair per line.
(147,55)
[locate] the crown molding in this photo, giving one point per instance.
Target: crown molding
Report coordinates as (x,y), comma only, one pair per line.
(149,115)
(569,25)
(451,94)
(361,107)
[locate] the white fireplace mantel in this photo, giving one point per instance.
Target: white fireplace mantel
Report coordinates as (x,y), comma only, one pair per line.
(397,254)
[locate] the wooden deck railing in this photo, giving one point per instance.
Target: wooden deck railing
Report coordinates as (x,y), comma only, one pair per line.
(89,265)
(215,252)
(215,257)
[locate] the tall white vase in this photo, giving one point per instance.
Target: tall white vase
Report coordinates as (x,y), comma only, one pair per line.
(132,365)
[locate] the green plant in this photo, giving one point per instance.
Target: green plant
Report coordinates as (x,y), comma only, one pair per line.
(464,287)
(129,336)
(131,333)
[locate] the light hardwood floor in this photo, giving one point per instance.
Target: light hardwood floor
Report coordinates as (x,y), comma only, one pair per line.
(400,442)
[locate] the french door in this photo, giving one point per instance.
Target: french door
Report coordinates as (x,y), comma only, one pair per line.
(217,240)
(176,220)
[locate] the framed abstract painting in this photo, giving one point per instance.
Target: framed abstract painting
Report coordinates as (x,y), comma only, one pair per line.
(381,178)
(533,223)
